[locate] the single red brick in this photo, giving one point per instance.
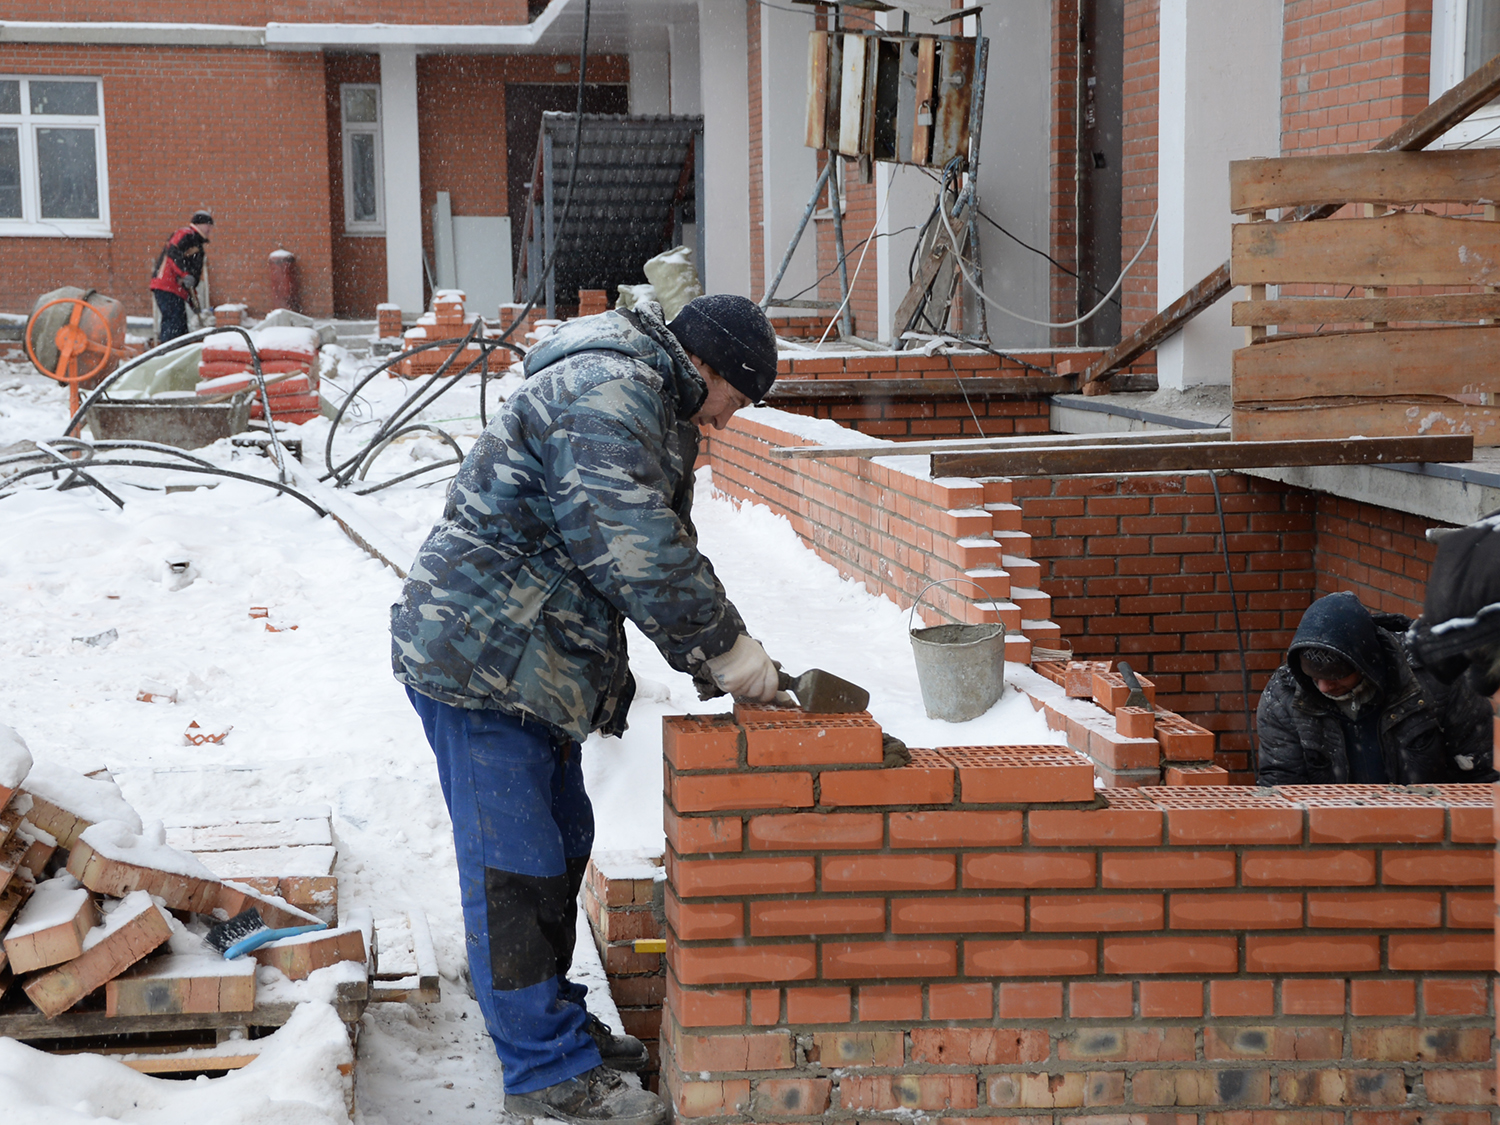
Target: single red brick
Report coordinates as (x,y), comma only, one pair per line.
(791,1097)
(1079,678)
(1233,911)
(1315,953)
(1135,722)
(735,791)
(1111,693)
(1169,869)
(1470,910)
(690,834)
(792,917)
(1382,910)
(704,921)
(706,742)
(1451,867)
(1460,1087)
(1234,826)
(711,1099)
(1242,997)
(1010,774)
(817,831)
(818,1005)
(890,1002)
(1170,999)
(1028,869)
(909,1092)
(765,1006)
(837,1049)
(955,829)
(863,960)
(1471,826)
(1171,955)
(743,876)
(1031,1001)
(742,964)
(1451,952)
(978,1046)
(1310,868)
(960,1001)
(927,780)
(814,741)
(1382,998)
(964,915)
(1312,997)
(1031,958)
(712,1007)
(1375,824)
(889,873)
(1110,826)
(1085,913)
(1453,997)
(1101,1000)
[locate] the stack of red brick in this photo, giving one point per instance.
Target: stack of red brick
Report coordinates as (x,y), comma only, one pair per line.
(622,898)
(979,935)
(288,361)
(592,302)
(446,321)
(387,321)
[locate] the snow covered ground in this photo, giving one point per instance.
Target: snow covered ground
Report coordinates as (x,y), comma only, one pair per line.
(317,717)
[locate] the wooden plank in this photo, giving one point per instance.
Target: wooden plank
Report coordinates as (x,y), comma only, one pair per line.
(1384,417)
(218,818)
(928,270)
(817,87)
(405,963)
(950,126)
(1450,307)
(1405,248)
(50,929)
(1393,178)
(1187,456)
(982,445)
(182,983)
(257,863)
(191,1062)
(1475,91)
(135,927)
(852,94)
(1382,362)
(921,134)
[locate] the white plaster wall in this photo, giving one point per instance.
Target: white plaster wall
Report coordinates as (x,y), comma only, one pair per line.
(1220,91)
(403,178)
(788,166)
(723,44)
(650,70)
(684,71)
(903,199)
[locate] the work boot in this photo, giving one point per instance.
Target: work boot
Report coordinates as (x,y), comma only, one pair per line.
(619,1052)
(595,1097)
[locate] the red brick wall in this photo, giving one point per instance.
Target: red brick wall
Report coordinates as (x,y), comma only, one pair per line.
(243,132)
(976,935)
(1141,107)
(256,12)
(358,261)
(1063,240)
(1379,554)
(1352,72)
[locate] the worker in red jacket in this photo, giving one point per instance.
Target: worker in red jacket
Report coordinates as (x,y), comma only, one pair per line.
(175,275)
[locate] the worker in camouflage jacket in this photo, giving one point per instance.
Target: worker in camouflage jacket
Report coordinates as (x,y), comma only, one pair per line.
(1353,704)
(572,512)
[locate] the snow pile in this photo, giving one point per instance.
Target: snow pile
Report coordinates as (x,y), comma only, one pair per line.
(94,799)
(15,758)
(54,902)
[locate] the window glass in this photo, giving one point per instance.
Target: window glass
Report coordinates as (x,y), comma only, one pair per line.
(10,96)
(68,173)
(78,98)
(10,174)
(362,177)
(360,106)
(1482,40)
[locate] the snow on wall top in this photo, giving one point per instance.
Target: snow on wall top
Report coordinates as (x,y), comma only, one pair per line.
(55,902)
(15,758)
(92,799)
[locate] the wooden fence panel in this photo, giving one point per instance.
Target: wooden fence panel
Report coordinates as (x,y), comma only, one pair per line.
(1394,178)
(1400,249)
(1411,361)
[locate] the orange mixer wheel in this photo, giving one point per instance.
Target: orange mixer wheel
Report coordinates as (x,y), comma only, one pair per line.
(72,344)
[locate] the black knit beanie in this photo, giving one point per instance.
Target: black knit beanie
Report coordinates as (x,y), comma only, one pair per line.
(732,335)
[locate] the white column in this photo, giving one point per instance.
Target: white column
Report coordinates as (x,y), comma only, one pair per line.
(788,167)
(1220,100)
(723,46)
(403,178)
(903,199)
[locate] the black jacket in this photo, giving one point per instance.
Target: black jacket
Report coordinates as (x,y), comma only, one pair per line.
(1429,732)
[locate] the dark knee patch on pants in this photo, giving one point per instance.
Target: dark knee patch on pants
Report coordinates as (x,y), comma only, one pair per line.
(531,927)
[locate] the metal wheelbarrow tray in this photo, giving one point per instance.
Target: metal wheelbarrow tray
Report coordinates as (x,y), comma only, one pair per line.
(187,422)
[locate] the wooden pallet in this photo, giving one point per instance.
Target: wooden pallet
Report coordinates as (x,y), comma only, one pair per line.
(405,963)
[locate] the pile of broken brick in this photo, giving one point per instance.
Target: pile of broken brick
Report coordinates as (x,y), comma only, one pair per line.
(99,913)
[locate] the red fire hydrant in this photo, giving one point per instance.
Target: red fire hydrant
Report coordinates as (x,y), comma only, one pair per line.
(285,292)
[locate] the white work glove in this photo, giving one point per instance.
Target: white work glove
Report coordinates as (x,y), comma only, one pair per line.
(745,671)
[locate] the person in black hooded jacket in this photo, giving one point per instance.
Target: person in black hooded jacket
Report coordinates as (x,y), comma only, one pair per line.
(1352,704)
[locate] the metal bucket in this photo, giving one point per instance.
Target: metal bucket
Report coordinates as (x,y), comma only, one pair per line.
(961,668)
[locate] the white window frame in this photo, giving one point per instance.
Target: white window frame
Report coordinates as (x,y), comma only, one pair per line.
(31,224)
(1450,25)
(347,130)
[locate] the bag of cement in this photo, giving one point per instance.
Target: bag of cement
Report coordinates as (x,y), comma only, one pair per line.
(632,295)
(286,318)
(674,278)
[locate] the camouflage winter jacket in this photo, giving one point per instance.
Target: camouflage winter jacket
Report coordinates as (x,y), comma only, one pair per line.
(571,513)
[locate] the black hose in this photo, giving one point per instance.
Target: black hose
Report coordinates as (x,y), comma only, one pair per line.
(213,471)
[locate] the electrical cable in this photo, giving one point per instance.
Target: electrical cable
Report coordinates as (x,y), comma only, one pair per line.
(1239,632)
(847,254)
(858,266)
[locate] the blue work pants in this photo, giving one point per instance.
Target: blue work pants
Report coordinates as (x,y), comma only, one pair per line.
(522,829)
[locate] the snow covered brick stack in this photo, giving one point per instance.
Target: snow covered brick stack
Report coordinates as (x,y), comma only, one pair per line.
(226,315)
(288,360)
(387,321)
(592,302)
(446,321)
(622,896)
(88,896)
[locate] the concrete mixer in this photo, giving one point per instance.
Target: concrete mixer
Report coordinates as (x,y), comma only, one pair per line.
(76,336)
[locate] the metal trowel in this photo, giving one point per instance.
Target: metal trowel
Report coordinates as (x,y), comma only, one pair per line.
(823,693)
